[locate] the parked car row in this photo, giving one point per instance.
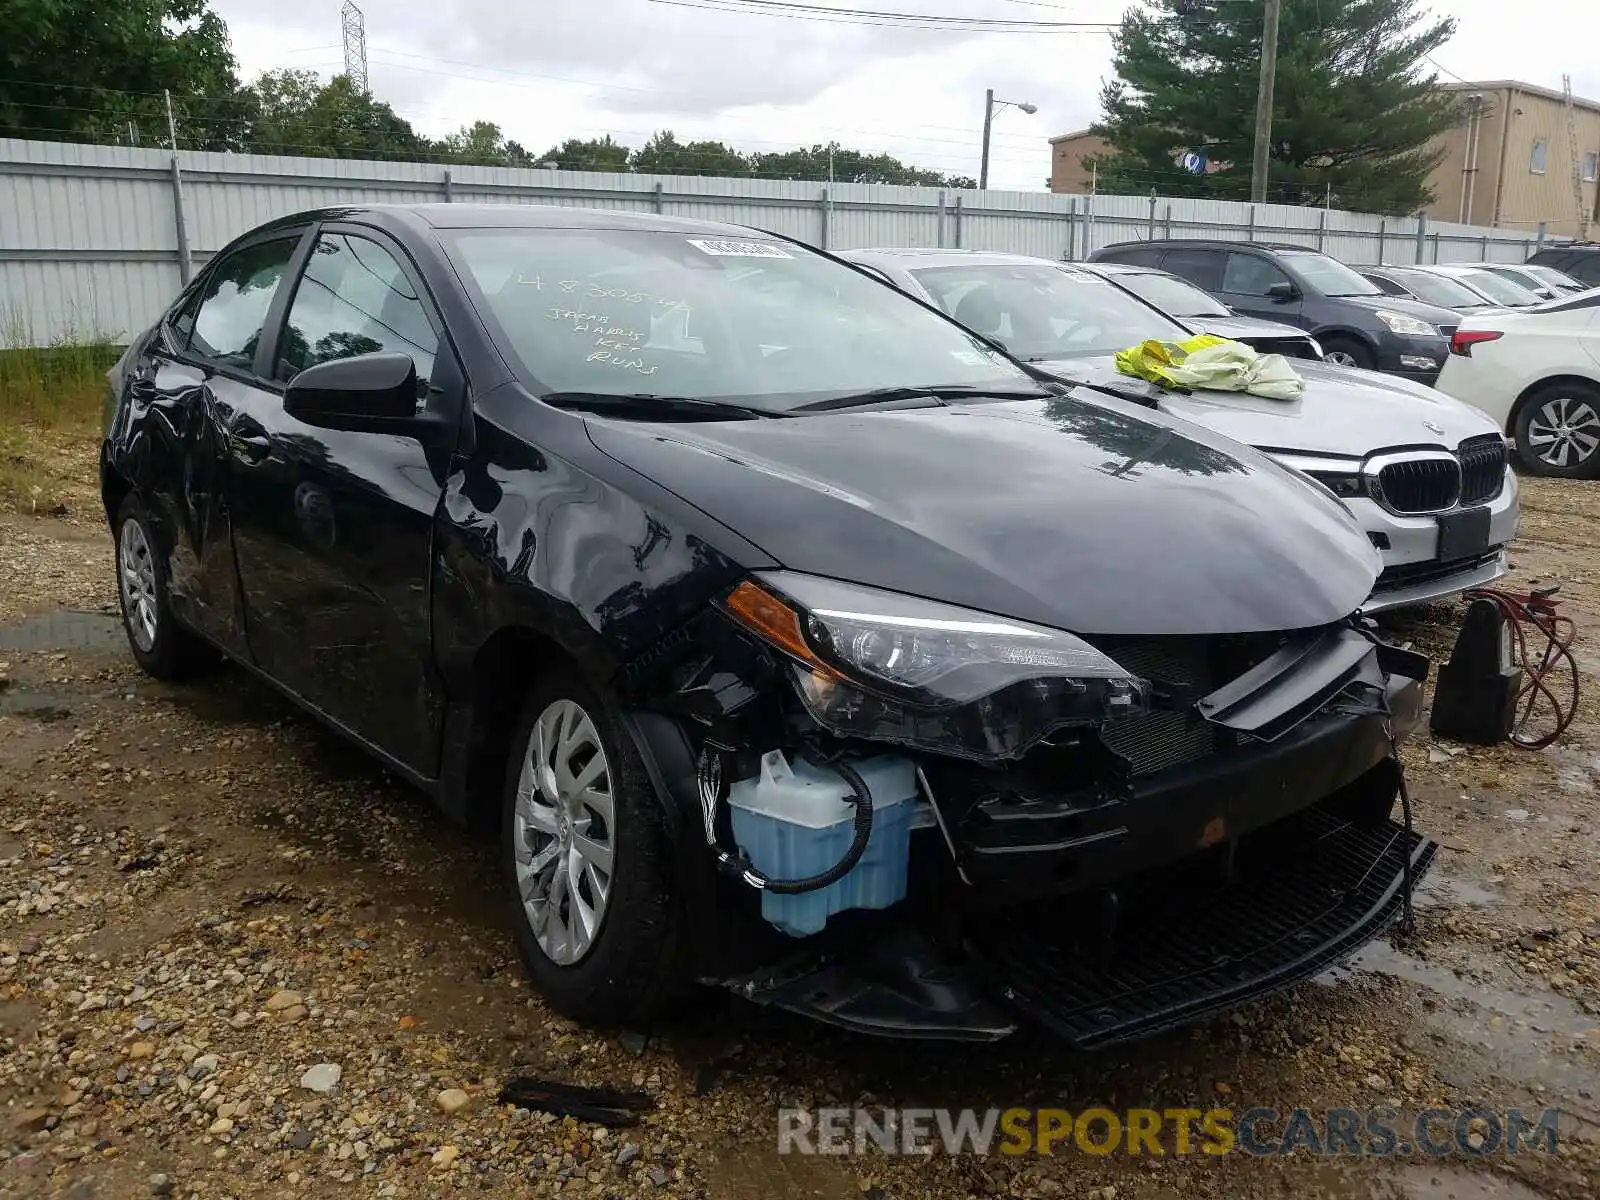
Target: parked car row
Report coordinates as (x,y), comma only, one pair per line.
(1426,476)
(1521,343)
(883,657)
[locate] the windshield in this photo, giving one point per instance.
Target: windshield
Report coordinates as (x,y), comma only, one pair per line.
(1439,289)
(1040,312)
(759,322)
(1500,289)
(1330,276)
(1555,278)
(1171,294)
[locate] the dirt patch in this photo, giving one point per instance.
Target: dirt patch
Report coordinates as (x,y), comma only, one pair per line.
(203,896)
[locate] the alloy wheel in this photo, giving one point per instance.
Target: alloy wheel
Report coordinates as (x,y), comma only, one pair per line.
(1340,358)
(136,572)
(1564,432)
(564,829)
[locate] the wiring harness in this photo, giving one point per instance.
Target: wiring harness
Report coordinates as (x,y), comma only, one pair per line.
(1550,684)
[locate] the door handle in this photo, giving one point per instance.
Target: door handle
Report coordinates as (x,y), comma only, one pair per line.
(251,448)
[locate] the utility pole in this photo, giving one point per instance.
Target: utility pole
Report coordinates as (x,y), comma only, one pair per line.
(1269,74)
(172,126)
(988,121)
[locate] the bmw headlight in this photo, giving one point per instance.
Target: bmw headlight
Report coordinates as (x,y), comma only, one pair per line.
(1341,476)
(892,668)
(1403,323)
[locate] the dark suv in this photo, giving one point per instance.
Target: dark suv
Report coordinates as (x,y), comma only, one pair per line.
(1581,260)
(1354,322)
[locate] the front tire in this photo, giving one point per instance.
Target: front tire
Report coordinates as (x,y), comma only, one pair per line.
(163,648)
(1347,352)
(586,860)
(1557,431)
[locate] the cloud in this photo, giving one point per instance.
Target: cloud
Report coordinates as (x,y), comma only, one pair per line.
(565,68)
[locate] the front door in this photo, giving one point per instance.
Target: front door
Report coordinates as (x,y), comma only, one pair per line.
(333,530)
(1247,281)
(184,391)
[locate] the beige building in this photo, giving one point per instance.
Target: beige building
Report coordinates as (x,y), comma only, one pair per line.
(1067,170)
(1509,162)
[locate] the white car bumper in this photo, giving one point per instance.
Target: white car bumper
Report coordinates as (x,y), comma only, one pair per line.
(1413,573)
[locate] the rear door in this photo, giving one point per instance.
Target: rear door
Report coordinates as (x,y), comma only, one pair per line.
(184,393)
(1246,281)
(334,528)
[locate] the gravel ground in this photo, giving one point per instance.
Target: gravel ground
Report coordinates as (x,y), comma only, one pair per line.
(237,960)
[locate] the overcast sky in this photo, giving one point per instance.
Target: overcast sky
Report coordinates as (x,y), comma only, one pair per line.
(554,69)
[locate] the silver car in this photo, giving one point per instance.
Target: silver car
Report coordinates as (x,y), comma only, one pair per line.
(1427,477)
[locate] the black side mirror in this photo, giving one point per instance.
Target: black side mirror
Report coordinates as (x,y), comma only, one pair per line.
(1281,291)
(370,393)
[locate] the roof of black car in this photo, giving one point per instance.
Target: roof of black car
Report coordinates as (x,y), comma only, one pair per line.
(519,216)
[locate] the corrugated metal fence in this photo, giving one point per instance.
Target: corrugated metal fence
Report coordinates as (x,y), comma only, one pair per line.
(95,240)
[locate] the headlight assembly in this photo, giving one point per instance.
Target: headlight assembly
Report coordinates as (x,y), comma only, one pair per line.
(1404,323)
(1341,476)
(893,668)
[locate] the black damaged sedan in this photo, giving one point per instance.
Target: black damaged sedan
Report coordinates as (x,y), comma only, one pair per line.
(795,640)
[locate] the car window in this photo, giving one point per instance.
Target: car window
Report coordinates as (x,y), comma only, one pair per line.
(1249,275)
(234,301)
(1585,267)
(741,317)
(1043,312)
(1203,267)
(1440,290)
(1328,275)
(1141,256)
(1171,294)
(353,299)
(1499,289)
(1554,278)
(1387,286)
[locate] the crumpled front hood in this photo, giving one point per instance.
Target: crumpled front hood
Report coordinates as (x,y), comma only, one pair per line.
(1094,516)
(1344,410)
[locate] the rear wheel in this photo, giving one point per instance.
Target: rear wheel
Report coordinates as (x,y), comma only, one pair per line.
(586,861)
(1557,431)
(162,647)
(1347,352)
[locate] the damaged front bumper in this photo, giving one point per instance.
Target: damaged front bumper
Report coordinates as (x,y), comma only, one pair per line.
(1111,904)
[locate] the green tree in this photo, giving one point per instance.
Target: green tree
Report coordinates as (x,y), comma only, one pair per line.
(480,143)
(297,113)
(87,70)
(596,154)
(845,165)
(1355,107)
(664,154)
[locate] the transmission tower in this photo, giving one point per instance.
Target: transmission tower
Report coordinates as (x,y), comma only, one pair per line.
(355,45)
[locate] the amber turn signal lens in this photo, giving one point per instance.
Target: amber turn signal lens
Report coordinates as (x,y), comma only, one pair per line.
(763,613)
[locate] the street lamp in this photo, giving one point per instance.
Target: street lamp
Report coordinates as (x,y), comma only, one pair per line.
(989,105)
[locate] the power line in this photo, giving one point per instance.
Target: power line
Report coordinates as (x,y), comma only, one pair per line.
(818,14)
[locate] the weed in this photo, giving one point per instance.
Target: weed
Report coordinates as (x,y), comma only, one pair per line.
(50,406)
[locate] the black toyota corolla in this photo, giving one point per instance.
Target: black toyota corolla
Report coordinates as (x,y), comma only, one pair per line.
(795,640)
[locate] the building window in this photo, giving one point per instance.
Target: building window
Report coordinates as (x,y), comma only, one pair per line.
(1541,153)
(1591,166)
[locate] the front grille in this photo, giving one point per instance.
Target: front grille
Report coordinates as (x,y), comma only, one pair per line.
(1178,666)
(1419,485)
(1483,468)
(1307,894)
(1407,574)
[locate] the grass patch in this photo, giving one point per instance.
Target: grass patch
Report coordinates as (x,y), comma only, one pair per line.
(50,405)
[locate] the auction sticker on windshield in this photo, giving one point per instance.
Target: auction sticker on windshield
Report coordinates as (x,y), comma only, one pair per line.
(724,248)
